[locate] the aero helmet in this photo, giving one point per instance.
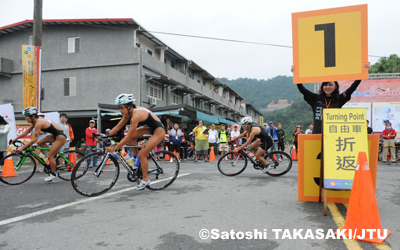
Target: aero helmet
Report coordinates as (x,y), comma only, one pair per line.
(30,111)
(124,99)
(246,120)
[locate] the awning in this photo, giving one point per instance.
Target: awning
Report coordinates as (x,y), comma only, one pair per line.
(207,118)
(167,112)
(225,121)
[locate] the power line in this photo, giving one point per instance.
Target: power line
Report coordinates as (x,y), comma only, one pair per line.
(230,40)
(221,39)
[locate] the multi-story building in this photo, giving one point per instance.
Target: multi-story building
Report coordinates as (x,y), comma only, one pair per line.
(87,63)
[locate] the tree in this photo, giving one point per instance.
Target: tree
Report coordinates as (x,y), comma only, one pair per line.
(389,64)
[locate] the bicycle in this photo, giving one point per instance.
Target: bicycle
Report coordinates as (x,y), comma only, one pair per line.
(231,164)
(93,181)
(24,164)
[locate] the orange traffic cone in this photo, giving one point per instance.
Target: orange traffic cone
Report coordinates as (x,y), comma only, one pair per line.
(212,154)
(166,156)
(108,162)
(294,153)
(8,168)
(72,157)
(363,213)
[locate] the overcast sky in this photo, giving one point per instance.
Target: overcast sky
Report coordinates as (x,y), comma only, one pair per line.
(263,21)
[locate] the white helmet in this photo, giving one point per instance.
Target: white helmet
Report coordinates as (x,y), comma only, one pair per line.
(124,99)
(246,120)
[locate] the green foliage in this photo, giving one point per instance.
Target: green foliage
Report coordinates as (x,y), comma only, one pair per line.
(261,92)
(389,64)
(297,113)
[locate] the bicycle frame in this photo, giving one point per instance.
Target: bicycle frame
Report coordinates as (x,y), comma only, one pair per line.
(29,151)
(131,170)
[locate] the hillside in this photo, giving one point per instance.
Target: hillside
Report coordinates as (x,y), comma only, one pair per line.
(261,92)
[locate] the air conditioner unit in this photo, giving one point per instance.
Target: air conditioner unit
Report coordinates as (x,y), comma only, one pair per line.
(153,101)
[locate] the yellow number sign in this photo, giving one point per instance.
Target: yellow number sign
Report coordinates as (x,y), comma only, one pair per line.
(345,135)
(330,44)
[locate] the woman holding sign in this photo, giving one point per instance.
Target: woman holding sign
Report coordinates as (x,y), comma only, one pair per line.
(328,97)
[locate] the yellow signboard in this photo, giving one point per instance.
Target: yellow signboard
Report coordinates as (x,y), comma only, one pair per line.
(330,44)
(31,76)
(309,169)
(345,135)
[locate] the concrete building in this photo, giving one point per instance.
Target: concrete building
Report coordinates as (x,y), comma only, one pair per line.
(86,63)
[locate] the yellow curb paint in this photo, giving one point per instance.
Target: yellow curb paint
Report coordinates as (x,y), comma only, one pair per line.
(339,221)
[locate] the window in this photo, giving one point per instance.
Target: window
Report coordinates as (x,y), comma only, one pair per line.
(154,90)
(74,45)
(150,52)
(173,64)
(70,86)
(176,99)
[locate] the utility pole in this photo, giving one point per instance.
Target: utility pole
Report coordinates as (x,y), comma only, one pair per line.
(37,23)
(37,40)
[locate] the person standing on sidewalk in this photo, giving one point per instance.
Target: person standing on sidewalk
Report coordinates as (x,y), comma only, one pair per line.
(175,138)
(223,140)
(201,141)
(310,129)
(213,140)
(91,142)
(67,129)
(4,129)
(388,142)
(273,133)
(281,138)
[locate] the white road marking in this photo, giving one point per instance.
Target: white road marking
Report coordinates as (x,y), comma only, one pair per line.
(49,210)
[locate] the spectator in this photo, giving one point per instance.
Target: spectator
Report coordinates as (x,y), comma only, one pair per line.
(201,141)
(175,138)
(213,140)
(184,144)
(223,140)
(281,138)
(388,142)
(369,129)
(297,132)
(310,129)
(273,133)
(4,129)
(235,133)
(91,142)
(67,129)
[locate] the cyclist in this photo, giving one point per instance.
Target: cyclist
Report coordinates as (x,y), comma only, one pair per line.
(263,140)
(142,121)
(55,135)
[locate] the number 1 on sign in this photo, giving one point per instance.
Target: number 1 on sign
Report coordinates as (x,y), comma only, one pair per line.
(329,42)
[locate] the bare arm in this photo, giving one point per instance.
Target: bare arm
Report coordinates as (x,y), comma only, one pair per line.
(136,116)
(119,126)
(38,129)
(249,138)
(24,133)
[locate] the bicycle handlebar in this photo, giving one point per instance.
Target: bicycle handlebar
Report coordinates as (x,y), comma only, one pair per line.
(107,141)
(17,143)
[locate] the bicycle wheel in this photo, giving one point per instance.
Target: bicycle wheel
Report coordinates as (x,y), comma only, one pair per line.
(95,180)
(232,164)
(162,173)
(17,168)
(279,163)
(64,168)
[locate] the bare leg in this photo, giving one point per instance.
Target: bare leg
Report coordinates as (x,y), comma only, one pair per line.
(157,137)
(259,155)
(60,141)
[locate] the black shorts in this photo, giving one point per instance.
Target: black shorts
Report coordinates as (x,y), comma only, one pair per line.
(173,147)
(266,144)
